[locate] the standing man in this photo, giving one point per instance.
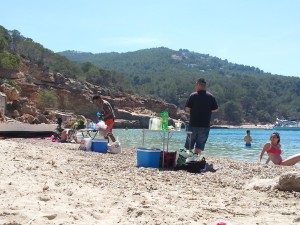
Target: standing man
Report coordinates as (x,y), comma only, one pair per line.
(200,105)
(107,114)
(248,139)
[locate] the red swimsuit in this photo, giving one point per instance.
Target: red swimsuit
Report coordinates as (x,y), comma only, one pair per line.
(275,151)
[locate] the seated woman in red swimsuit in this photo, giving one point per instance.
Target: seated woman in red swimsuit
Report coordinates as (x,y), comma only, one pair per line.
(273,149)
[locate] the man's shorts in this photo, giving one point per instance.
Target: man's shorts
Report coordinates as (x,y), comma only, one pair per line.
(198,138)
(110,124)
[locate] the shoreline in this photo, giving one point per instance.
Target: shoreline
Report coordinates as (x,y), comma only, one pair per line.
(245,126)
(45,182)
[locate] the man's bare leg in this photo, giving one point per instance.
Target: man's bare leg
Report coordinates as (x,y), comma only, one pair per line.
(112,137)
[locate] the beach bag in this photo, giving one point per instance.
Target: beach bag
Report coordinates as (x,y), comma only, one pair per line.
(182,156)
(86,144)
(115,147)
(195,166)
(101,125)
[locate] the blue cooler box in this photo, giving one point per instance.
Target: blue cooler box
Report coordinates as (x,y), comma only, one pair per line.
(148,157)
(99,145)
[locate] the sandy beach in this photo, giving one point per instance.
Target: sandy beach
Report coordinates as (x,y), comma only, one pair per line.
(44,182)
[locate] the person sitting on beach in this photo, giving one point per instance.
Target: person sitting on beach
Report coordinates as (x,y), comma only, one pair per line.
(273,149)
(248,139)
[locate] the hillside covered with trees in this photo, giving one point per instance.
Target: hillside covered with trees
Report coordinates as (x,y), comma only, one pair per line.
(244,93)
(14,47)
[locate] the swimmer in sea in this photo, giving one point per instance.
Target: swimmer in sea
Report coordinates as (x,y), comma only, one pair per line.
(248,139)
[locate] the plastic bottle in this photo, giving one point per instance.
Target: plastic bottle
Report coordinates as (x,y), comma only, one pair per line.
(164,116)
(150,124)
(157,123)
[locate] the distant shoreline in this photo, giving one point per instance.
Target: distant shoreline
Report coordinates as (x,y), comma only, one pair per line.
(244,126)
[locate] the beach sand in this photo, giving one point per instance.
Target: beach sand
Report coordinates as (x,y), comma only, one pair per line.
(44,182)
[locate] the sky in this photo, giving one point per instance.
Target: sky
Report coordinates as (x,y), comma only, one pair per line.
(259,33)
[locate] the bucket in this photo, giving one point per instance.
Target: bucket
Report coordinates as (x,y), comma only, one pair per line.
(99,145)
(148,157)
(169,159)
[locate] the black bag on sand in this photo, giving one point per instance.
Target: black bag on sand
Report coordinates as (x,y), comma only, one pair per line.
(195,166)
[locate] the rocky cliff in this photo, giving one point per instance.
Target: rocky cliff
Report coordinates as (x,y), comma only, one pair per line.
(27,102)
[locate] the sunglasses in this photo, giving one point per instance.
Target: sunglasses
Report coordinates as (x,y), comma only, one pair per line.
(273,137)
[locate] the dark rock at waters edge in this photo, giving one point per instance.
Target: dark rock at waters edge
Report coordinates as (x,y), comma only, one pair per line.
(218,127)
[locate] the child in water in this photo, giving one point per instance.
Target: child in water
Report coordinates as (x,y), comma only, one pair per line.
(248,139)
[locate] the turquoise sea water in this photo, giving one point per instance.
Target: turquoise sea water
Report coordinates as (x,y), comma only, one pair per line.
(228,143)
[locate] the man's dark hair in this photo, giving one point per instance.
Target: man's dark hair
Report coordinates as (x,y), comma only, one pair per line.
(201,81)
(277,135)
(96,97)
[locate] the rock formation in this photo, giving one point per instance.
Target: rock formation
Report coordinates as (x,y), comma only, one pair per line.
(25,87)
(289,182)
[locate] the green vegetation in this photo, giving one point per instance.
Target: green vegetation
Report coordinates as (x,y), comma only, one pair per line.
(46,59)
(13,47)
(244,93)
(101,77)
(9,61)
(48,99)
(4,39)
(13,84)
